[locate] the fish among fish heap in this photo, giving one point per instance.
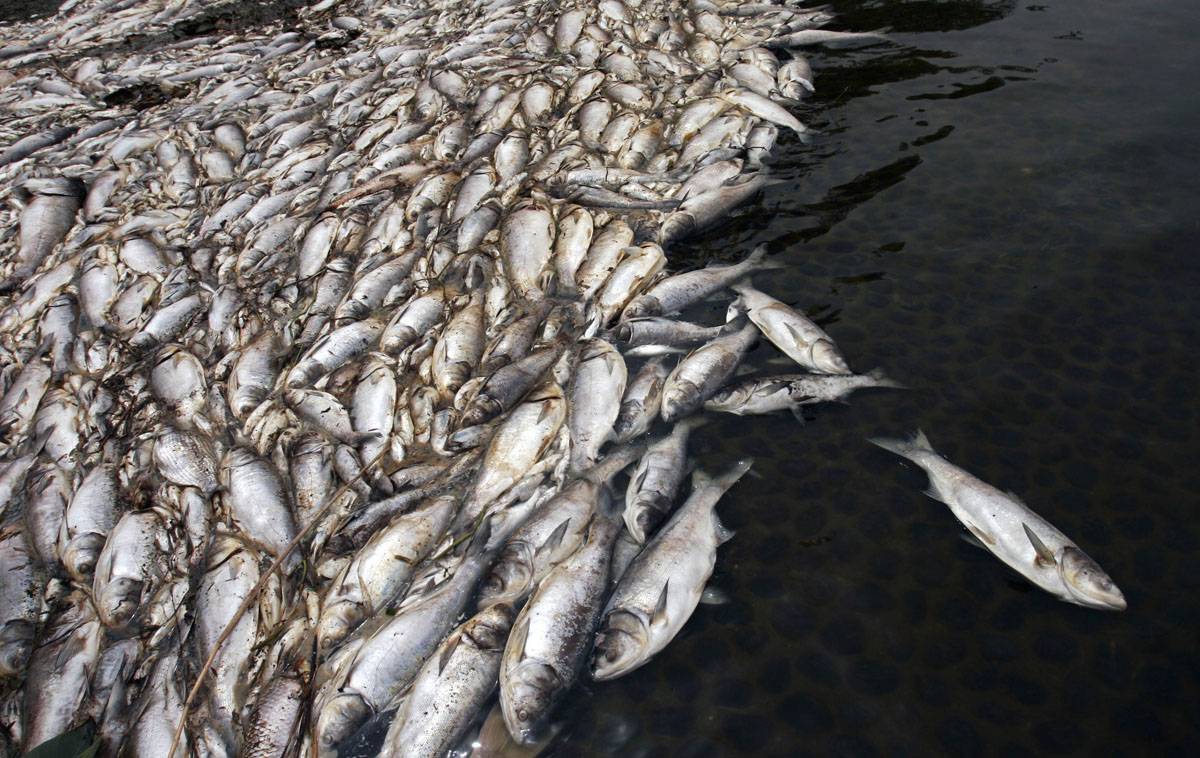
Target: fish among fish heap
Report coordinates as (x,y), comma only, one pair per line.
(320,349)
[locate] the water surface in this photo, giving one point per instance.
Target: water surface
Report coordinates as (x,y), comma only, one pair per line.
(1000,210)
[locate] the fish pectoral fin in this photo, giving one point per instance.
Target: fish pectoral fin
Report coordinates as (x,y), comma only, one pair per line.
(640,479)
(792,330)
(1044,556)
(660,608)
(547,409)
(798,414)
(519,636)
(448,650)
(556,537)
(977,537)
(932,492)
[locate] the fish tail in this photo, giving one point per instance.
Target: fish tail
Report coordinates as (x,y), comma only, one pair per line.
(758,259)
(881,380)
(918,442)
(724,480)
(744,285)
(615,462)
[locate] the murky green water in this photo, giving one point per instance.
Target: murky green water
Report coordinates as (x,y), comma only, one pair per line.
(1000,210)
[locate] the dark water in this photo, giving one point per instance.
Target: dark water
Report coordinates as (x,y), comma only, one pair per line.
(1001,211)
(25,10)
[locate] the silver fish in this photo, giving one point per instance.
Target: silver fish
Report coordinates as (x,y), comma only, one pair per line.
(552,636)
(790,391)
(63,669)
(662,587)
(595,401)
(802,340)
(21,584)
(1010,530)
(125,568)
(656,479)
(703,371)
(90,516)
(387,661)
(674,293)
(382,569)
(451,687)
(258,502)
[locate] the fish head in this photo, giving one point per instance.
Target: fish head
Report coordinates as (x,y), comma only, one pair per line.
(531,689)
(828,359)
(80,555)
(118,601)
(511,576)
(679,399)
(489,628)
(650,508)
(646,305)
(339,719)
(466,438)
(482,409)
(16,645)
(622,333)
(336,624)
(728,398)
(627,417)
(1087,583)
(620,646)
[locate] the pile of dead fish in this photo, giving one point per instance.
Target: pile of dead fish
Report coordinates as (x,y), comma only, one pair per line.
(326,352)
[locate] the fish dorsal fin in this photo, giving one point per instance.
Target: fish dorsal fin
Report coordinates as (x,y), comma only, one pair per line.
(1016,497)
(660,608)
(555,539)
(448,650)
(1044,556)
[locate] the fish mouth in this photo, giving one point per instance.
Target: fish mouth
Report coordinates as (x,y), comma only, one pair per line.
(1113,600)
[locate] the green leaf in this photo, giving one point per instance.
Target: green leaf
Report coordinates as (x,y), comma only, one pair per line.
(76,743)
(92,751)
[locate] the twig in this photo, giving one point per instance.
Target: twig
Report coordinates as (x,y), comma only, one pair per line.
(252,597)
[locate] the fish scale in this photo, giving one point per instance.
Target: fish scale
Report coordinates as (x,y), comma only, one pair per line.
(350,279)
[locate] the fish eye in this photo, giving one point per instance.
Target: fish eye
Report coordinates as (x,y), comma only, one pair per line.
(522,715)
